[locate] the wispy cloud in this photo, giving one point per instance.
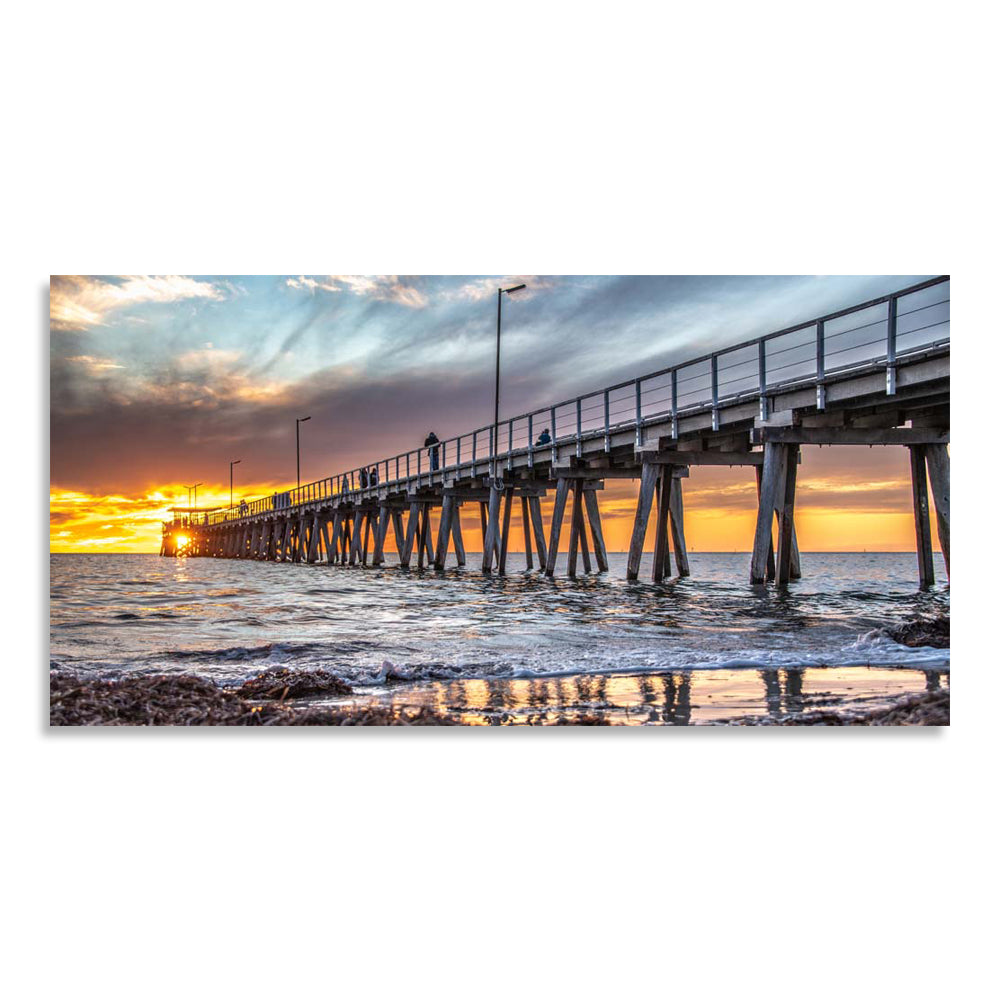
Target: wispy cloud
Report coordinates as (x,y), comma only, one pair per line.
(483,288)
(94,366)
(381,287)
(79,302)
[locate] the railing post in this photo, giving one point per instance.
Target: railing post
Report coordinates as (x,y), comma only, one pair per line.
(531,441)
(607,420)
(638,413)
(715,392)
(579,427)
(407,465)
(510,445)
(820,365)
(762,378)
(555,450)
(673,404)
(890,350)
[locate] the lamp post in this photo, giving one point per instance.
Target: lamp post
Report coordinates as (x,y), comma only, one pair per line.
(298,474)
(231,464)
(501,292)
(195,488)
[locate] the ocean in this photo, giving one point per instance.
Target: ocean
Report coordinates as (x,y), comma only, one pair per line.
(514,648)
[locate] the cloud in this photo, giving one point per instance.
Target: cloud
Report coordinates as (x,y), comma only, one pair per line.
(79,302)
(381,287)
(94,366)
(484,288)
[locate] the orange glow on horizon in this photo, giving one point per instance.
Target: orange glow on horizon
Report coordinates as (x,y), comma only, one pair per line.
(720,514)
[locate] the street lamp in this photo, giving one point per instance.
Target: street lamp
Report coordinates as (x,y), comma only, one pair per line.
(298,474)
(231,464)
(195,488)
(501,292)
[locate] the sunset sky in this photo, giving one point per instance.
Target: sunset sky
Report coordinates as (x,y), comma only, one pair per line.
(160,381)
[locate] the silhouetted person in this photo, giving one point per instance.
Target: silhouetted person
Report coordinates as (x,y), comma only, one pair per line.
(345,485)
(364,479)
(543,438)
(373,476)
(430,443)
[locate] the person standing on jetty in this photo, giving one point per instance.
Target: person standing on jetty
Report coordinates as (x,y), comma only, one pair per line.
(373,476)
(364,478)
(543,438)
(430,443)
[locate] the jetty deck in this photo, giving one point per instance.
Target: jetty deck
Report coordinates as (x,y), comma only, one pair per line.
(876,373)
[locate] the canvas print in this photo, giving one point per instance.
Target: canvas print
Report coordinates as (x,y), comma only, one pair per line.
(504,500)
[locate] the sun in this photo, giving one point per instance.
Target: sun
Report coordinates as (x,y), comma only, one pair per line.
(182,540)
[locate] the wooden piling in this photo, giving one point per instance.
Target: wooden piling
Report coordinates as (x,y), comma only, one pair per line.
(456,531)
(508,502)
(786,510)
(558,511)
(582,529)
(492,535)
(411,533)
(526,527)
(444,533)
(939,470)
(921,516)
(770,533)
(538,527)
(661,547)
(575,520)
(647,489)
(596,532)
(677,528)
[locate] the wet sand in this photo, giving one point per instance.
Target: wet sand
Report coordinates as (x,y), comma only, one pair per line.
(813,696)
(669,698)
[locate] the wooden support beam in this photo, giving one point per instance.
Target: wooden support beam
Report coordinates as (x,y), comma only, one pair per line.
(424,551)
(411,535)
(314,539)
(772,480)
(702,458)
(456,531)
(333,541)
(526,528)
(398,533)
(647,489)
(381,528)
(596,531)
(368,530)
(852,436)
(558,511)
(537,526)
(356,537)
(677,528)
(661,548)
(582,530)
(939,469)
(786,510)
(508,502)
(574,531)
(770,532)
(921,516)
(444,533)
(492,536)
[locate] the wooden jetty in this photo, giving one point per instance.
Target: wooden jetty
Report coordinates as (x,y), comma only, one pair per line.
(874,374)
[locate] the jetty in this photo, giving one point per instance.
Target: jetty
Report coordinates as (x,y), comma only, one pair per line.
(874,374)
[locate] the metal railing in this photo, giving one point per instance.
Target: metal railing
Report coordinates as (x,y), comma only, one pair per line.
(876,333)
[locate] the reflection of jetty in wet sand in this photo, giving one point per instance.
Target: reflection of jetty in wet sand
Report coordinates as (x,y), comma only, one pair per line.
(676,698)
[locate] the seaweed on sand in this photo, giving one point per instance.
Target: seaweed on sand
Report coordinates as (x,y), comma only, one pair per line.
(283,683)
(186,700)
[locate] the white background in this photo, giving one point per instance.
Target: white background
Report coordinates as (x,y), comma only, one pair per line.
(514,138)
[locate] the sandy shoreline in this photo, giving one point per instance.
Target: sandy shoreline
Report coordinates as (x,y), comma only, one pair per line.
(316,698)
